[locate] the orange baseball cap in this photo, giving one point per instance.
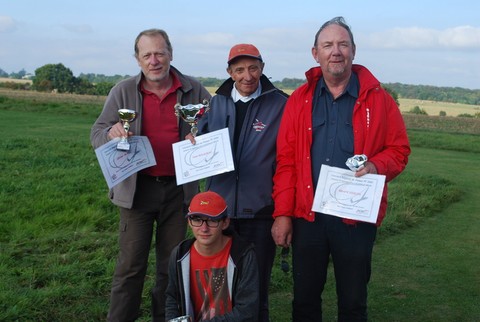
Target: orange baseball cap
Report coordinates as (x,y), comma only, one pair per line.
(246,50)
(208,204)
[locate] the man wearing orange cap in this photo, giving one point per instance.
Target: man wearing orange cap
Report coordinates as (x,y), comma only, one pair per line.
(213,274)
(251,107)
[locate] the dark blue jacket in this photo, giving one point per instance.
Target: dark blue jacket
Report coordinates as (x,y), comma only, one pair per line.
(247,189)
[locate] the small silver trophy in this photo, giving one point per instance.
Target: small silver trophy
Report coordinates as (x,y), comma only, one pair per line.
(191,113)
(126,116)
(357,162)
(185,318)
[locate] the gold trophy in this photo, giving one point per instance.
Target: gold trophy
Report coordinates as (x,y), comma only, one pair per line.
(191,113)
(126,116)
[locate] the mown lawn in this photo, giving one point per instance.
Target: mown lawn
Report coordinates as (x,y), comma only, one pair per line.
(58,230)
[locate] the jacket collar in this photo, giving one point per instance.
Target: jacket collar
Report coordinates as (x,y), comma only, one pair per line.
(226,88)
(365,77)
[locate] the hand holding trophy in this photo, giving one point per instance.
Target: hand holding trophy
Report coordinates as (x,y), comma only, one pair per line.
(191,113)
(126,116)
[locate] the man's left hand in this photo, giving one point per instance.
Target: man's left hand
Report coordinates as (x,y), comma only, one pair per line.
(369,167)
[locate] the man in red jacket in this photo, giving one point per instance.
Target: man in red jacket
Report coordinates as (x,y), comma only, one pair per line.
(341,111)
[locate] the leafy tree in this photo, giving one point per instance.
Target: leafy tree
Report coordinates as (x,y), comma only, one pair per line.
(54,77)
(442,113)
(417,110)
(289,83)
(3,73)
(103,88)
(100,78)
(18,75)
(438,94)
(83,86)
(392,93)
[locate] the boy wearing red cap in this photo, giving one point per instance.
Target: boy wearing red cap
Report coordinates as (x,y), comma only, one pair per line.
(214,275)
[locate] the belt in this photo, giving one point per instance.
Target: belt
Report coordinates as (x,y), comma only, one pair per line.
(161,179)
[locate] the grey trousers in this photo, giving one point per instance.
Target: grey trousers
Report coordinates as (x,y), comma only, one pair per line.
(158,208)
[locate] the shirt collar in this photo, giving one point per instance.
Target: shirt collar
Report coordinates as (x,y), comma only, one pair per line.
(236,96)
(351,89)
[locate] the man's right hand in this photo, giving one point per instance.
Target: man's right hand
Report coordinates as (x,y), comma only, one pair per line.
(190,137)
(117,131)
(282,231)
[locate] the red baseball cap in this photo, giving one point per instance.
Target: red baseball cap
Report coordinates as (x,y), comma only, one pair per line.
(208,204)
(246,50)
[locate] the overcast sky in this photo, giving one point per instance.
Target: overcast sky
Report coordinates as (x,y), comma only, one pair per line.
(411,42)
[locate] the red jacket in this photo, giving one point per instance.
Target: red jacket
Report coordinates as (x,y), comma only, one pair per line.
(378,129)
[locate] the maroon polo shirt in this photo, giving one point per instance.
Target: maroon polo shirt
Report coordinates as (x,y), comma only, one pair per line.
(160,125)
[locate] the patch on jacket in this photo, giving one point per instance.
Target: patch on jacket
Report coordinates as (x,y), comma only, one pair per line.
(258,125)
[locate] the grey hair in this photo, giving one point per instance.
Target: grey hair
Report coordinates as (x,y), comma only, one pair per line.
(152,33)
(340,21)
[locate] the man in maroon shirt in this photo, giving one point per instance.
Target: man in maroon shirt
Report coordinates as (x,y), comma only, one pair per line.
(150,201)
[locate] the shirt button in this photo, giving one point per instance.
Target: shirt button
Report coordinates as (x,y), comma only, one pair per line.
(327,159)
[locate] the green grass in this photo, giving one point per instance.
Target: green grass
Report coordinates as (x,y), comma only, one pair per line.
(58,230)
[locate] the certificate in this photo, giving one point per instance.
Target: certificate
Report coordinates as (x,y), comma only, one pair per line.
(118,165)
(211,155)
(340,193)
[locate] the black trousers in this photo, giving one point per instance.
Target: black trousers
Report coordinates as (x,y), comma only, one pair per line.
(350,248)
(258,232)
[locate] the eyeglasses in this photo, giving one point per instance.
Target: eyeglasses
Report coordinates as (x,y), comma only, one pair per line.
(198,222)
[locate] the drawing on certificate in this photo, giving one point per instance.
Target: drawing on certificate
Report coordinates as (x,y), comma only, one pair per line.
(209,156)
(340,193)
(117,165)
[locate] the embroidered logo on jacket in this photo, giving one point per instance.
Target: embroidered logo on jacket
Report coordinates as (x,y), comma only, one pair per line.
(258,125)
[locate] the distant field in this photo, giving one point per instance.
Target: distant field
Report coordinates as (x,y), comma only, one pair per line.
(51,97)
(433,108)
(23,81)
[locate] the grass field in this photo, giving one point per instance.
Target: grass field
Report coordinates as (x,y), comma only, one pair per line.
(58,230)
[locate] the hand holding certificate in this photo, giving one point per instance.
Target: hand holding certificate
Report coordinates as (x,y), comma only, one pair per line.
(117,165)
(211,155)
(340,193)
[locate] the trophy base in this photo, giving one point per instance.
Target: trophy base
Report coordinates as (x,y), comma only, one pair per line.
(123,146)
(185,318)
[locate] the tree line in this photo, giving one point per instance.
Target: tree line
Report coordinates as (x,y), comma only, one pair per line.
(58,78)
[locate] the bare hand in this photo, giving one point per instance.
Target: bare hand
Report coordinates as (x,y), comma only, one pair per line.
(117,131)
(368,168)
(282,231)
(190,137)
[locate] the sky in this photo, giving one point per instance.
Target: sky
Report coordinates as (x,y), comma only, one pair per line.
(419,42)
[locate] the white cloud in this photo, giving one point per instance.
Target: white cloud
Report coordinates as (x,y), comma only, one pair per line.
(7,24)
(462,37)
